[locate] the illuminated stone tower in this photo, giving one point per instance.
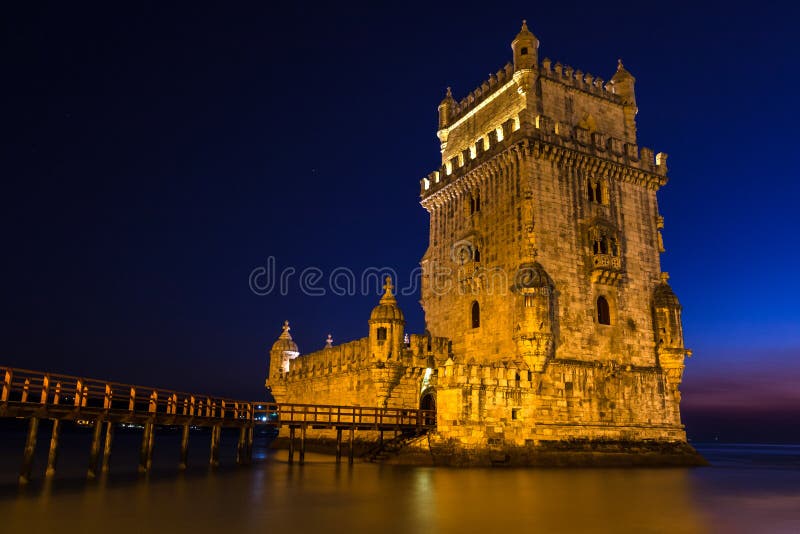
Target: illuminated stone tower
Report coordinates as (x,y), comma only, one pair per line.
(548,317)
(543,258)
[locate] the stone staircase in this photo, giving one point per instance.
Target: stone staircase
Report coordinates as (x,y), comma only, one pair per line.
(392,447)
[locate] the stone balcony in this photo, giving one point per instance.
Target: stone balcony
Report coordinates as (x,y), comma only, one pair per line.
(606,269)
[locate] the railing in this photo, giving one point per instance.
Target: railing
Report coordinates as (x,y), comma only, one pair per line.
(69,397)
(607,261)
(35,395)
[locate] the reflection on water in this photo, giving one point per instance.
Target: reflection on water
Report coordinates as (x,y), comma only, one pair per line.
(321,496)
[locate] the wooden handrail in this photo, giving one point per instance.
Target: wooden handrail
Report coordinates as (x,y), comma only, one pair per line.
(117,397)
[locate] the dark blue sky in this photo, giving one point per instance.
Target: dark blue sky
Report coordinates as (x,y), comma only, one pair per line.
(154,156)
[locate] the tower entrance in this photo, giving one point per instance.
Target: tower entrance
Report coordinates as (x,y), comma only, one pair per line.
(428,403)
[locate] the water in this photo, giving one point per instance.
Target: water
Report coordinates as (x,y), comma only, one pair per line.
(751,488)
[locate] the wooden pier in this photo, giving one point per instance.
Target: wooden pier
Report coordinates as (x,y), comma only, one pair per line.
(35,395)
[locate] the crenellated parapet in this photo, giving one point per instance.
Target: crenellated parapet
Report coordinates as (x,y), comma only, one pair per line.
(481,93)
(551,139)
(582,81)
(421,351)
(330,360)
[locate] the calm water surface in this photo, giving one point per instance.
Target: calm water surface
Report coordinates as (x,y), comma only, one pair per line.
(751,488)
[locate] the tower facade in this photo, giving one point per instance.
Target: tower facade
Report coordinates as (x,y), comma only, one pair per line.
(544,255)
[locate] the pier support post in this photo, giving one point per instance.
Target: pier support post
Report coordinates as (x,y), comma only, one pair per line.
(241,446)
(291,444)
(52,455)
(94,450)
(338,445)
(146,451)
(184,461)
(30,448)
(216,433)
(106,465)
(350,456)
(249,452)
(302,444)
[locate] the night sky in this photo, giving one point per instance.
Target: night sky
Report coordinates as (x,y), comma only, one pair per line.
(152,157)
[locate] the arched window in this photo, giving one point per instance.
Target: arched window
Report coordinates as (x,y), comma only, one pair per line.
(477,255)
(476,315)
(590,190)
(381,333)
(603,312)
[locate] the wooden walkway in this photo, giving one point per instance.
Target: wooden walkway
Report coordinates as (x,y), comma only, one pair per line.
(36,395)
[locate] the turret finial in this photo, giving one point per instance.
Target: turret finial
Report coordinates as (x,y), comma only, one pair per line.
(664,277)
(329,342)
(387,287)
(620,66)
(449,92)
(285,334)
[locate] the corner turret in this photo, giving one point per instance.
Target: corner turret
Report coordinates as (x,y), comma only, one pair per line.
(283,351)
(669,333)
(386,324)
(526,49)
(622,84)
(446,108)
(534,307)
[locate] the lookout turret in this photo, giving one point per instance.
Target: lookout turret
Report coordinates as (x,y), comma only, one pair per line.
(386,324)
(526,49)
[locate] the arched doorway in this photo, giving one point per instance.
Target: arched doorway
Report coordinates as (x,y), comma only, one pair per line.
(428,403)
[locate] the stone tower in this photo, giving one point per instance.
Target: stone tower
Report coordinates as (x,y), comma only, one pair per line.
(548,317)
(545,239)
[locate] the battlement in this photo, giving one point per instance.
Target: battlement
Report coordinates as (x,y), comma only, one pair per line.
(482,92)
(420,351)
(577,79)
(552,133)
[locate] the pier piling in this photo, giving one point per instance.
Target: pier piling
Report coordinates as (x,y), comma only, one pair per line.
(302,444)
(52,455)
(184,461)
(146,450)
(30,448)
(291,444)
(94,449)
(350,455)
(216,432)
(106,464)
(338,444)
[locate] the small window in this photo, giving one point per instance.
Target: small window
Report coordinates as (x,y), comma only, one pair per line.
(514,414)
(475,204)
(523,51)
(603,312)
(477,255)
(476,315)
(381,334)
